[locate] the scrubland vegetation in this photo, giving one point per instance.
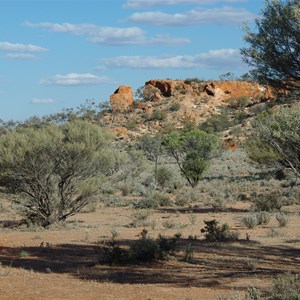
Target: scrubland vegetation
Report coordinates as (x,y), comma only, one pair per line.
(176,208)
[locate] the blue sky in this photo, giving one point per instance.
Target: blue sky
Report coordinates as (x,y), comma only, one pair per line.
(56,54)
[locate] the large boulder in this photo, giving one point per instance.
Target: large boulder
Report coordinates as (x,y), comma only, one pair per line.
(122,98)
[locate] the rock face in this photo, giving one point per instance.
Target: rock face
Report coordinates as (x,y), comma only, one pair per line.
(237,90)
(167,87)
(122,98)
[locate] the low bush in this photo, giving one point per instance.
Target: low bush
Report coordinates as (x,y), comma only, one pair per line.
(144,249)
(285,287)
(163,176)
(282,219)
(175,106)
(271,202)
(158,115)
(250,221)
(214,232)
(263,218)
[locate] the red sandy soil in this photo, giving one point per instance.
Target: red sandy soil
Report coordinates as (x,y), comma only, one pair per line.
(62,263)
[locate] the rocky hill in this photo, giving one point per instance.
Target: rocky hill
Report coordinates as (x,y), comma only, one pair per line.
(172,104)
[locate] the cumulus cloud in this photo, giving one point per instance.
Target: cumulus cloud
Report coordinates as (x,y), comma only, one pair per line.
(221,16)
(108,35)
(43,101)
(75,79)
(148,3)
(213,59)
(23,56)
(6,46)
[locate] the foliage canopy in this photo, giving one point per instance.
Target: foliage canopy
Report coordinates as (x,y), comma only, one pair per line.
(192,152)
(274,48)
(57,170)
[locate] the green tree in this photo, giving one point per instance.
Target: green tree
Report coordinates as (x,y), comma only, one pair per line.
(192,152)
(274,48)
(276,139)
(56,170)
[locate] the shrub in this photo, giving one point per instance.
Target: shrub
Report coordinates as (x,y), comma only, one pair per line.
(285,287)
(162,199)
(131,125)
(146,249)
(163,176)
(57,170)
(263,218)
(214,232)
(175,106)
(191,80)
(282,219)
(216,123)
(114,202)
(145,203)
(158,115)
(139,218)
(168,224)
(250,221)
(269,202)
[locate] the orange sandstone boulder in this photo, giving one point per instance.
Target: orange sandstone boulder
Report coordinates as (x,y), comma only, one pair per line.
(122,99)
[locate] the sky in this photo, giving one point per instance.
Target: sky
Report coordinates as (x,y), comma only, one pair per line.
(57,54)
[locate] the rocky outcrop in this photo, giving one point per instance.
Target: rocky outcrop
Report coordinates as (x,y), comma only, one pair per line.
(167,87)
(239,91)
(122,99)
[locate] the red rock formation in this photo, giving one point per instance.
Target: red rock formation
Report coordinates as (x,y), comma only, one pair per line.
(122,99)
(168,87)
(236,90)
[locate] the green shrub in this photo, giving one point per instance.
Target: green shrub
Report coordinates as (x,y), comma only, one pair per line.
(146,249)
(269,202)
(158,115)
(175,106)
(263,218)
(131,125)
(162,199)
(216,123)
(285,287)
(192,80)
(139,218)
(145,203)
(282,219)
(114,202)
(250,221)
(168,224)
(163,176)
(214,232)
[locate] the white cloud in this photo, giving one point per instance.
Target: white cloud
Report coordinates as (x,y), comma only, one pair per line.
(76,79)
(108,35)
(148,3)
(25,56)
(43,101)
(213,59)
(221,16)
(6,46)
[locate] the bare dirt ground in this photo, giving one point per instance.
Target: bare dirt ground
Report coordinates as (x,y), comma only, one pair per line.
(62,263)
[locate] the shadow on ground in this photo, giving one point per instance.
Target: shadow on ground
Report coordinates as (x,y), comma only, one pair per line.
(212,264)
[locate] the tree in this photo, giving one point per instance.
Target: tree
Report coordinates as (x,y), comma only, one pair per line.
(152,148)
(192,152)
(55,169)
(276,139)
(274,49)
